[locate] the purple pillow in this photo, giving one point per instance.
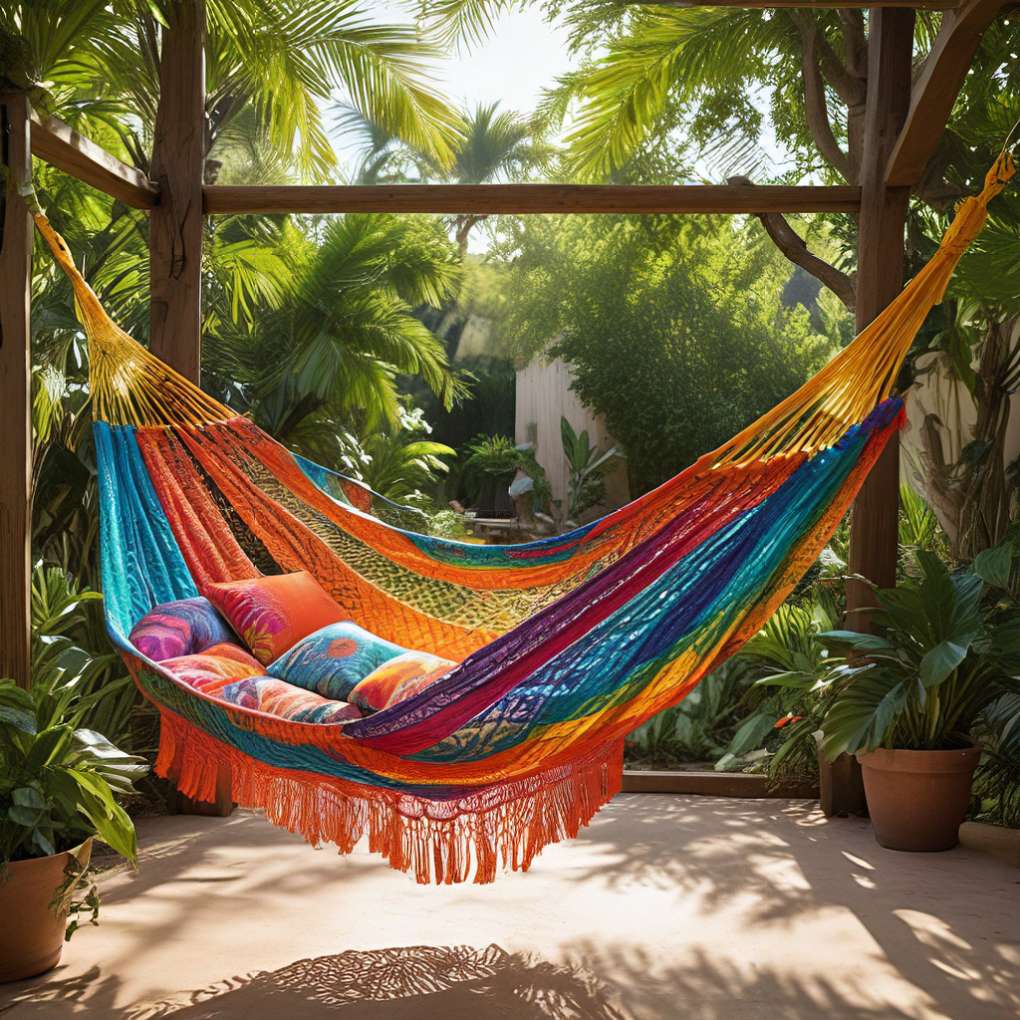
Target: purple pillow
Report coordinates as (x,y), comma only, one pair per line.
(184,627)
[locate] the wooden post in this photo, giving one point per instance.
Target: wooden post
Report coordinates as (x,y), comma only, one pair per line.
(873,536)
(874,543)
(175,225)
(175,232)
(15,393)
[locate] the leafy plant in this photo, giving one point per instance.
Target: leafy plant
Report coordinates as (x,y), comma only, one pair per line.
(997,779)
(499,457)
(791,661)
(588,465)
(943,655)
(698,728)
(400,463)
(492,455)
(59,781)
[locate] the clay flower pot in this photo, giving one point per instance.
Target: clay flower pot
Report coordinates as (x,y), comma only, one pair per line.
(917,799)
(32,935)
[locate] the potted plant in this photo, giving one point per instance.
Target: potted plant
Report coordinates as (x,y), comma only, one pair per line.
(906,699)
(58,788)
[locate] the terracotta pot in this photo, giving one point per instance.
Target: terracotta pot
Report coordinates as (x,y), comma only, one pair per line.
(917,799)
(32,937)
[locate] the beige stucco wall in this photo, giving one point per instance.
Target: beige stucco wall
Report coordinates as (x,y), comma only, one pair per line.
(543,397)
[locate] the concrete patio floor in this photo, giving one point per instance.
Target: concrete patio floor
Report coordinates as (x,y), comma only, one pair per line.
(666,906)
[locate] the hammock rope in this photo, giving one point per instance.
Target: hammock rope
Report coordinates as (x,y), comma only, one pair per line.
(561,646)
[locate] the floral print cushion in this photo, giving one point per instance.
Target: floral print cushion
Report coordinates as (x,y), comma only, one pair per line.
(207,672)
(178,628)
(399,679)
(279,698)
(271,614)
(333,659)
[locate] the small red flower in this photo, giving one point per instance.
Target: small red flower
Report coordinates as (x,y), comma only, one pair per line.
(787,719)
(340,648)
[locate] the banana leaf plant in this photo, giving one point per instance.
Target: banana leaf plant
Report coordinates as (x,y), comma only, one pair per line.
(948,645)
(588,465)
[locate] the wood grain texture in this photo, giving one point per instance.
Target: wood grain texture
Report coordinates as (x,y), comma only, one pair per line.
(15,394)
(873,538)
(175,225)
(713,784)
(936,89)
(61,146)
(494,199)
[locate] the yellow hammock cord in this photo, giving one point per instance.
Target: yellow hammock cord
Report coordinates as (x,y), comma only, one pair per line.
(131,386)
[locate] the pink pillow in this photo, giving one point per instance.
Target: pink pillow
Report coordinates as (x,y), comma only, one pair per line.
(399,679)
(271,614)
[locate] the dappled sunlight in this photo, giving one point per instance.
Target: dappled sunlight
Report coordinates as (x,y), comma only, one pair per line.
(666,906)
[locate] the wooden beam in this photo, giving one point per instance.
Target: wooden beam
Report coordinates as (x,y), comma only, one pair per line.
(175,225)
(880,259)
(61,146)
(15,393)
(714,784)
(489,199)
(937,87)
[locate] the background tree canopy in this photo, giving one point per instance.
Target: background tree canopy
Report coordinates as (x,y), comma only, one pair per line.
(675,329)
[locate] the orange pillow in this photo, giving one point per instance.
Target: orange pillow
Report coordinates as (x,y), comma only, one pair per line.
(271,614)
(398,679)
(208,672)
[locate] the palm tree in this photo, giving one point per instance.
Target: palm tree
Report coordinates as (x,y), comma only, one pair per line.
(327,356)
(281,61)
(495,146)
(492,145)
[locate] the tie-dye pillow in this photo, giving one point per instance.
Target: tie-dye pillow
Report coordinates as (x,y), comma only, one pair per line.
(399,679)
(267,694)
(271,614)
(207,672)
(184,627)
(333,659)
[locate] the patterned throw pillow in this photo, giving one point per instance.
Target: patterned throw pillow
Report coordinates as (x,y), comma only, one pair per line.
(333,659)
(399,679)
(208,672)
(271,614)
(177,628)
(267,694)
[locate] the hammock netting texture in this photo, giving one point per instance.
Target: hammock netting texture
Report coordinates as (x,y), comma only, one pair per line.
(562,645)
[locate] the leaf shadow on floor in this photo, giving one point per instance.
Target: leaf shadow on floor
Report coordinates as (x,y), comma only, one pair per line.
(405,983)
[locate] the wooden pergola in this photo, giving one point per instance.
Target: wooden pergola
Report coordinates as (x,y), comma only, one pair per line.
(905,116)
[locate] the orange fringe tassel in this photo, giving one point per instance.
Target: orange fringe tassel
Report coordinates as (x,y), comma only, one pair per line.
(439,841)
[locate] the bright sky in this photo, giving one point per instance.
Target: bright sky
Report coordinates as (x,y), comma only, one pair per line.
(516,61)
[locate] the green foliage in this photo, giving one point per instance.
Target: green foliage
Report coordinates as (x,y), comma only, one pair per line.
(699,728)
(327,355)
(997,780)
(588,465)
(492,455)
(498,457)
(944,653)
(674,330)
(279,63)
(448,524)
(59,781)
(401,464)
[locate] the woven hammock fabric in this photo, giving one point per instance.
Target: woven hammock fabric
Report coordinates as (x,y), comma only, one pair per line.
(562,646)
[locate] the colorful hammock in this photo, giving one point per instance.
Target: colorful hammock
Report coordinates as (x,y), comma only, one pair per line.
(563,645)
